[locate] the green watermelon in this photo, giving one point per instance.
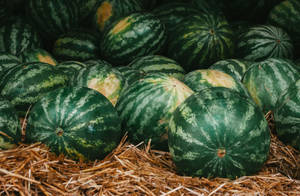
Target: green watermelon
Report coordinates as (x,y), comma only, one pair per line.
(145,107)
(103,78)
(218,133)
(10,130)
(264,41)
(71,68)
(53,17)
(286,116)
(76,46)
(287,16)
(8,61)
(37,55)
(200,40)
(234,67)
(267,80)
(158,63)
(110,11)
(77,122)
(136,35)
(26,83)
(206,78)
(17,35)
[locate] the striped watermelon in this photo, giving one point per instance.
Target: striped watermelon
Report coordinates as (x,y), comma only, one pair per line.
(76,46)
(218,133)
(71,68)
(200,40)
(37,55)
(10,130)
(286,116)
(206,78)
(8,61)
(110,11)
(234,67)
(287,16)
(17,35)
(103,78)
(53,17)
(77,122)
(158,63)
(268,79)
(145,107)
(26,83)
(136,35)
(264,41)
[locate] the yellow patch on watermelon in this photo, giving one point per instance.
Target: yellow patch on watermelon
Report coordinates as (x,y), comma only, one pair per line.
(121,25)
(46,59)
(179,90)
(104,12)
(109,87)
(6,145)
(218,79)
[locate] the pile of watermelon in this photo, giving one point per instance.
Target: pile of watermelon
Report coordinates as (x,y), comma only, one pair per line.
(194,77)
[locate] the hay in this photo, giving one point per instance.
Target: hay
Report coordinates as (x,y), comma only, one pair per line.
(137,170)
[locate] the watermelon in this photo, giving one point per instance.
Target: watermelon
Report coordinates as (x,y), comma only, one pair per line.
(234,67)
(76,46)
(26,83)
(75,121)
(53,17)
(217,132)
(37,55)
(103,78)
(145,108)
(287,16)
(10,130)
(8,61)
(136,35)
(110,11)
(206,78)
(200,40)
(286,116)
(264,41)
(17,35)
(158,63)
(267,80)
(71,68)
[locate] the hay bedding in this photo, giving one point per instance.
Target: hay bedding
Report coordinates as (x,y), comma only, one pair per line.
(137,170)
